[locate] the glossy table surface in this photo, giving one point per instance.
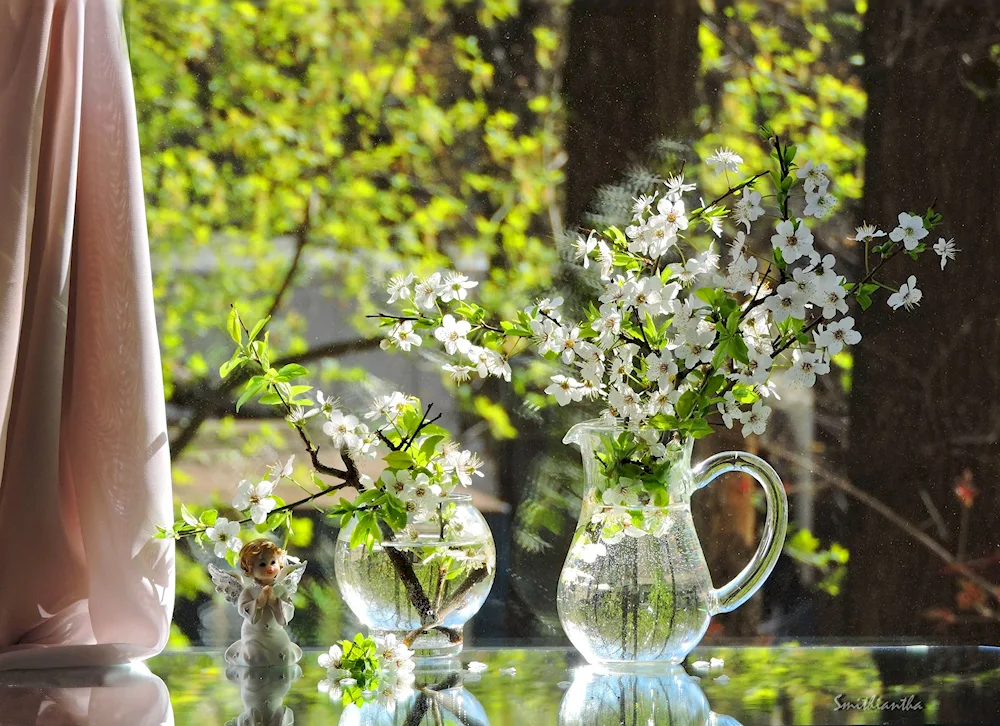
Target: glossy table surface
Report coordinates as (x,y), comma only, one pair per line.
(534,687)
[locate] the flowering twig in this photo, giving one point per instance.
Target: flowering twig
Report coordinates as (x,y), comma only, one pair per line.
(673,339)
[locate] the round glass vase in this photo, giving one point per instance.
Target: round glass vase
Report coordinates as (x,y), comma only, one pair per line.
(422,584)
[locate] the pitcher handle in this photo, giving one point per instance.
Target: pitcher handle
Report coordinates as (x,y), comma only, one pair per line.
(736,592)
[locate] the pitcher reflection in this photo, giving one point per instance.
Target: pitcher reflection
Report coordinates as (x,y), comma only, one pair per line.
(601,698)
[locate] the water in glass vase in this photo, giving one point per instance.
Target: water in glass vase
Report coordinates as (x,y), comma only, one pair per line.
(447,580)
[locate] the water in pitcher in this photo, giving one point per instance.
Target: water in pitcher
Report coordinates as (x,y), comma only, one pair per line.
(642,598)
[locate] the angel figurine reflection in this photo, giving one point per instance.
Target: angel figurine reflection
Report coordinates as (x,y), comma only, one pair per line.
(264,601)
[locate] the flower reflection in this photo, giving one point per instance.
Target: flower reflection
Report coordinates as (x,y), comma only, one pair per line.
(599,697)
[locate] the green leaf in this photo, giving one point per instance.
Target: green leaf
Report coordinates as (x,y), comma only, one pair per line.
(292,370)
(231,556)
(430,445)
(233,325)
(232,364)
(685,404)
(744,394)
(399,460)
(187,516)
(260,349)
(369,495)
(715,384)
(864,295)
(733,321)
(738,349)
(709,294)
(779,260)
(255,331)
(208,517)
(252,388)
(274,521)
(435,430)
(698,428)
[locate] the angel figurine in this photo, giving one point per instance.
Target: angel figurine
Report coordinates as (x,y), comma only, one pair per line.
(264,603)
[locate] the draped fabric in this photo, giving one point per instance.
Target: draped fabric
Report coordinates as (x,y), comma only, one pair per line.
(83,444)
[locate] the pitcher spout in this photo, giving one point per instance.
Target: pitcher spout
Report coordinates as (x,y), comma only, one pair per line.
(586,430)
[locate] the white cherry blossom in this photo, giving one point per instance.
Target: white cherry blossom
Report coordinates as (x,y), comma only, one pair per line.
(724,160)
(642,204)
(910,231)
(257,498)
(729,409)
(792,241)
(399,287)
(550,307)
(748,209)
(755,420)
(814,176)
(342,429)
(567,342)
(867,233)
(456,286)
(945,249)
(388,407)
(332,658)
(661,367)
(565,390)
(908,296)
(584,246)
(458,373)
(452,334)
(404,336)
(426,292)
(742,275)
(787,302)
(819,205)
(225,535)
(696,348)
(836,335)
(805,367)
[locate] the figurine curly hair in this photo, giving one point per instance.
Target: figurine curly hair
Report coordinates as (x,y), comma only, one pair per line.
(257,548)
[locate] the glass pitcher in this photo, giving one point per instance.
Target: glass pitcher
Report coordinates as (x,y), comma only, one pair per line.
(635,587)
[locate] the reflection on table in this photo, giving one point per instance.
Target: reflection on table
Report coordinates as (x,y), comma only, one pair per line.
(84,697)
(262,691)
(529,687)
(601,698)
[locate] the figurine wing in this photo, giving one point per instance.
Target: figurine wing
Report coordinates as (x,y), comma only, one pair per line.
(287,581)
(228,583)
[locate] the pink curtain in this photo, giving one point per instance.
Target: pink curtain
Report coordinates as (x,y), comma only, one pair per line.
(83,443)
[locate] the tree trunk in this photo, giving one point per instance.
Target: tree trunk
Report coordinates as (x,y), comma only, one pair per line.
(630,78)
(925,402)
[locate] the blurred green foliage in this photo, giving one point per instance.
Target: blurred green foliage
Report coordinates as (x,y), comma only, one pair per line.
(366,132)
(792,64)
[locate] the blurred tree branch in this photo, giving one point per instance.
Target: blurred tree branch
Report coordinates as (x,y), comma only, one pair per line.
(207,401)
